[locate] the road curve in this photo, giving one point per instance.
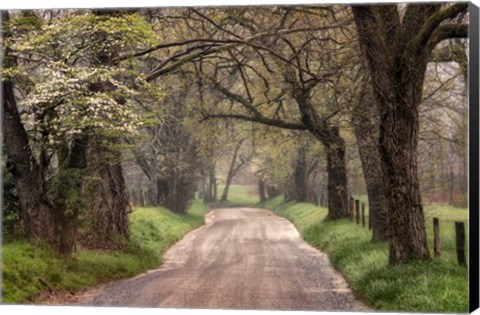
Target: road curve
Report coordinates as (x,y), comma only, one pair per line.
(242,258)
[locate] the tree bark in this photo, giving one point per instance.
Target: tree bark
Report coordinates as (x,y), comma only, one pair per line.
(109,203)
(397,51)
(366,122)
(36,208)
(337,178)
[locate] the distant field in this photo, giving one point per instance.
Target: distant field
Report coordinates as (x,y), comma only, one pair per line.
(240,195)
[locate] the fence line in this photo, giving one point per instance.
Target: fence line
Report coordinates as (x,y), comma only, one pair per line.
(354,211)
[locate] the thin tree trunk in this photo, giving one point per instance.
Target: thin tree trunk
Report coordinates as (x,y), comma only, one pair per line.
(201,188)
(300,189)
(272,192)
(210,194)
(261,190)
(152,187)
(231,171)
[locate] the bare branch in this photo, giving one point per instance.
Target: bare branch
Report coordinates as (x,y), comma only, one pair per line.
(215,24)
(262,120)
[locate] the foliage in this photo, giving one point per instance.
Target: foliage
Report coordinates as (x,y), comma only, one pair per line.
(153,231)
(64,189)
(437,286)
(67,90)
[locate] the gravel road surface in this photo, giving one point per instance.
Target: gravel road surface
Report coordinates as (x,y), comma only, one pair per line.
(243,258)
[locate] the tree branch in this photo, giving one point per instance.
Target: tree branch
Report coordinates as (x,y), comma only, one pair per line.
(262,120)
(215,24)
(448,31)
(434,21)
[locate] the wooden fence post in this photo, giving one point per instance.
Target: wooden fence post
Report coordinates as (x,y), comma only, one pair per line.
(436,237)
(363,214)
(357,210)
(351,208)
(460,237)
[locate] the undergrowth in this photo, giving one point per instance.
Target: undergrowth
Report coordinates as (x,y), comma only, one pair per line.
(153,230)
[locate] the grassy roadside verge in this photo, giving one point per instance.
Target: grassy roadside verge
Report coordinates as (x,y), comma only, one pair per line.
(153,231)
(437,286)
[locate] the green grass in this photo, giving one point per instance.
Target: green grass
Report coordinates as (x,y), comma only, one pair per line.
(239,195)
(437,286)
(153,231)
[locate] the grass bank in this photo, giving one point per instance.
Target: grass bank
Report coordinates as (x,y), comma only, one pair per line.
(153,231)
(437,286)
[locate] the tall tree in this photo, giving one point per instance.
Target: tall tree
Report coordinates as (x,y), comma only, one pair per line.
(71,100)
(397,49)
(28,175)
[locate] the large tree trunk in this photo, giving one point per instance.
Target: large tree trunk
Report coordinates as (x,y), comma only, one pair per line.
(181,190)
(398,148)
(108,204)
(337,178)
(36,209)
(69,187)
(109,200)
(231,171)
(366,124)
(397,55)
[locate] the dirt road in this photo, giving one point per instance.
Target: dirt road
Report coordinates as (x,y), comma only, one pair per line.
(242,258)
